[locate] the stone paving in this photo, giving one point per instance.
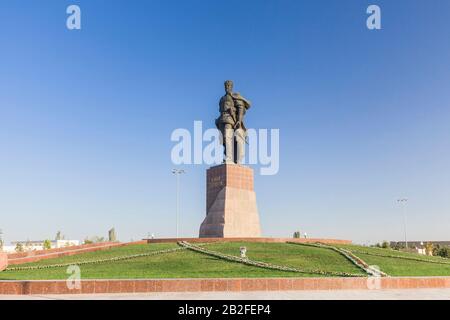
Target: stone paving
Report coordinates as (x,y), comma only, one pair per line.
(412,294)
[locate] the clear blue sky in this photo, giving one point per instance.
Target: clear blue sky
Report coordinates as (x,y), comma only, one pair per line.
(86,116)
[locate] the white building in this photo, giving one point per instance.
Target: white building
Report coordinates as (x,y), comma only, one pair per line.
(39,245)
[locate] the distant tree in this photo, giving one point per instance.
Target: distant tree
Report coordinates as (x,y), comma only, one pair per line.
(47,244)
(58,236)
(19,247)
(28,245)
(429,249)
(436,249)
(385,245)
(398,246)
(296,234)
(94,239)
(443,252)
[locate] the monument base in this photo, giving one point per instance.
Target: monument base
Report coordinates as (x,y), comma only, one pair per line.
(230,203)
(3,261)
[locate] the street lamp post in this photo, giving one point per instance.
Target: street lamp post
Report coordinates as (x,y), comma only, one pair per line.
(402,202)
(177,173)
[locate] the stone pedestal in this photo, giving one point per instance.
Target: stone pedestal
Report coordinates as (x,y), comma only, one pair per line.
(231,210)
(3,261)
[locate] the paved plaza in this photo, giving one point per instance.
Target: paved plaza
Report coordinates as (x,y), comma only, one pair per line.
(413,294)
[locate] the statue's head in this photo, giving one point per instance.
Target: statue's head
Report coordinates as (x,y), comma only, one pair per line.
(228,86)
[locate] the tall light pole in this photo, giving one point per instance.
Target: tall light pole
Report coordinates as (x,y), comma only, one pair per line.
(402,202)
(177,173)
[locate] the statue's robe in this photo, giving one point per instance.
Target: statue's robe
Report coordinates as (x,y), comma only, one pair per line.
(232,108)
(242,105)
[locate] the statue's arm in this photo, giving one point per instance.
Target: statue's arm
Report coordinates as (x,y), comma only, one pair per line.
(222,105)
(239,97)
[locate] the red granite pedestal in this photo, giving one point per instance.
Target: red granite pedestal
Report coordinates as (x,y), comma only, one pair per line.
(230,203)
(3,261)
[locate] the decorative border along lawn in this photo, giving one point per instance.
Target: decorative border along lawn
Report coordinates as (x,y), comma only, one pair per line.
(221,260)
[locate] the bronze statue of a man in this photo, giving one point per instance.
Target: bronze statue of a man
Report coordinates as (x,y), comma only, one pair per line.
(232,107)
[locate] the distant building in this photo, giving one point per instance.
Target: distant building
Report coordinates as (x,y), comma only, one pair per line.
(422,250)
(421,247)
(413,244)
(39,245)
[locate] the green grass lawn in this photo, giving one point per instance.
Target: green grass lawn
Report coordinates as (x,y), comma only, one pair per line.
(180,264)
(359,248)
(401,267)
(292,255)
(188,264)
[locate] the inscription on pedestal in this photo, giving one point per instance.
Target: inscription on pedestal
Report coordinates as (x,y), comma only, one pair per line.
(216,182)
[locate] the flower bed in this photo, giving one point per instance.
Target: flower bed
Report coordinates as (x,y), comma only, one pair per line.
(113,259)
